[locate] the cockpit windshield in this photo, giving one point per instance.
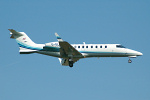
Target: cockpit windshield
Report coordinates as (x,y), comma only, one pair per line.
(120,46)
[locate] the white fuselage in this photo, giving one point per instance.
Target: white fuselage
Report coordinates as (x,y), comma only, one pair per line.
(92,50)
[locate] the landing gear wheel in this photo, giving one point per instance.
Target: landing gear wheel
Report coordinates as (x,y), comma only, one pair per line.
(129,61)
(70,63)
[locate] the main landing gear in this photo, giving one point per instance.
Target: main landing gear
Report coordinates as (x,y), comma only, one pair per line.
(129,61)
(70,62)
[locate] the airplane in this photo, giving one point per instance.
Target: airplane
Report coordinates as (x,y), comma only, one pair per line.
(67,53)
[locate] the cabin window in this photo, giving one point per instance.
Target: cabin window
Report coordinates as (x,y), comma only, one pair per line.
(74,46)
(82,46)
(78,46)
(100,46)
(91,46)
(105,46)
(86,46)
(95,46)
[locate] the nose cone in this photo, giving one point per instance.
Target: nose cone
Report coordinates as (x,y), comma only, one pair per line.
(139,54)
(133,53)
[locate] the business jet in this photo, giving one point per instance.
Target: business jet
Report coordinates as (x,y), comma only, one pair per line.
(67,53)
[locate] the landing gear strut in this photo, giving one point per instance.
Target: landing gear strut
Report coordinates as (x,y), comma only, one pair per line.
(70,62)
(129,61)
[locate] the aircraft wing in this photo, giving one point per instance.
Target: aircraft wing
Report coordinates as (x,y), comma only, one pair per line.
(66,50)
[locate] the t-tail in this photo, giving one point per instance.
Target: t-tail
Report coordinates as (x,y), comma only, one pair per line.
(26,45)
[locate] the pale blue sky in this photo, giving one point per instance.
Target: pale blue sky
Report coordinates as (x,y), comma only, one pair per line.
(39,77)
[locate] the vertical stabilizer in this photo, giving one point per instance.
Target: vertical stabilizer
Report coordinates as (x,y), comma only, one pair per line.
(25,43)
(20,37)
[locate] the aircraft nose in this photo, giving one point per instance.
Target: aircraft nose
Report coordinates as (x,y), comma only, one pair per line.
(139,54)
(133,52)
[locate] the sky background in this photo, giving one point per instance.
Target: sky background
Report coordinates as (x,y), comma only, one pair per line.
(40,77)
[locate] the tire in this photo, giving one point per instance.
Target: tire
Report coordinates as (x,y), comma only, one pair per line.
(70,63)
(129,61)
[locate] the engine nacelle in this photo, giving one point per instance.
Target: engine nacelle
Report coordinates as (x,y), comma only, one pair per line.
(52,44)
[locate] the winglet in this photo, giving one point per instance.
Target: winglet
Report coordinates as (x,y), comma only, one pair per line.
(58,37)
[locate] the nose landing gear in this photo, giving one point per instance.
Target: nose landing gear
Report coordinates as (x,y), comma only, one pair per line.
(129,61)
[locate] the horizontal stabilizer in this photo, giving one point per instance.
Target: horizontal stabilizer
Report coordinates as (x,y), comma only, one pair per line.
(14,34)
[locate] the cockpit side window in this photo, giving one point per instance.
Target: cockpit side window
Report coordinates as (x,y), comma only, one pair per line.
(120,46)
